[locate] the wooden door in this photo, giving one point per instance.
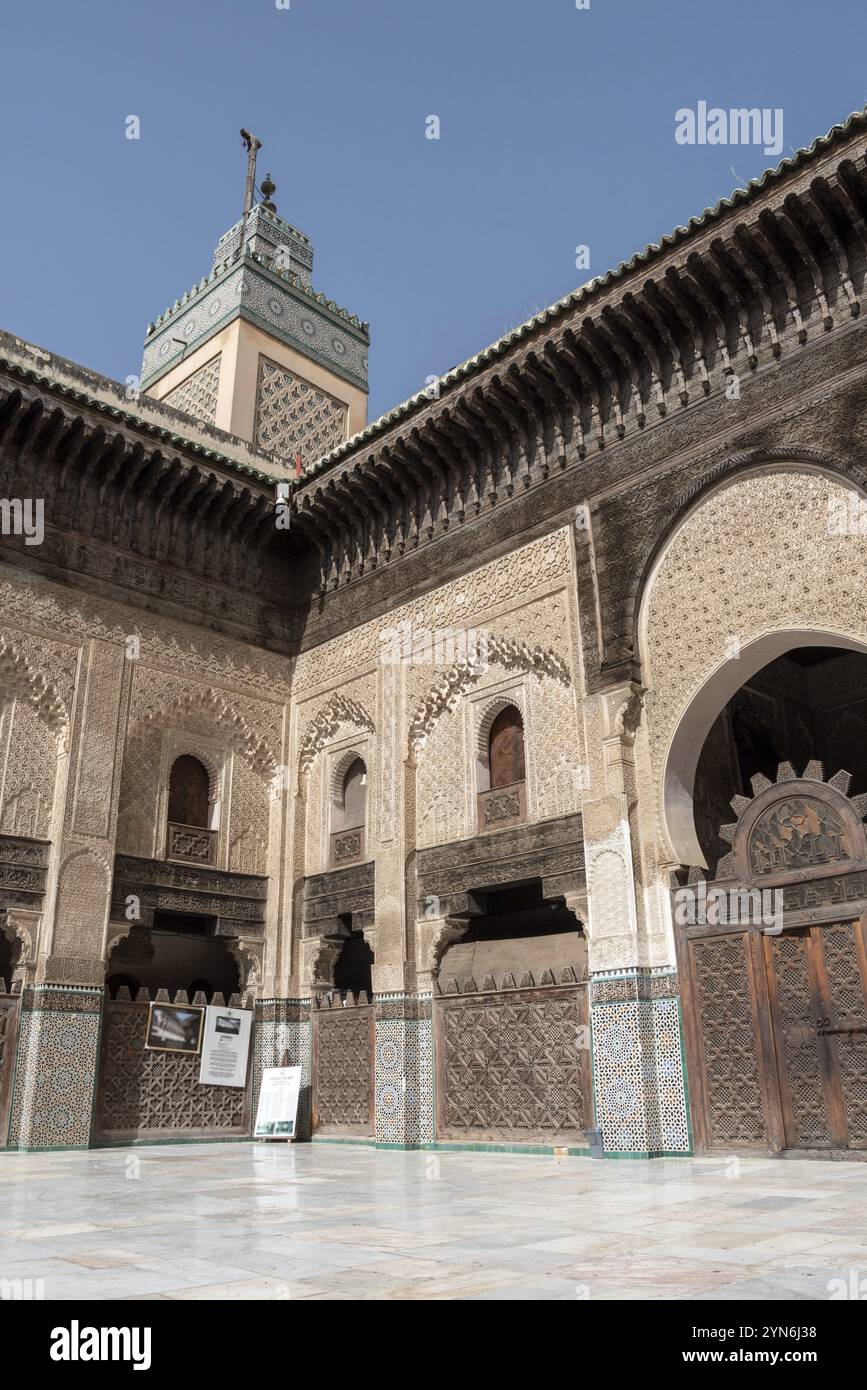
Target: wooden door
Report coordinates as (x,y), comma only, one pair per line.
(10,1005)
(816,987)
(507,1067)
(343,1068)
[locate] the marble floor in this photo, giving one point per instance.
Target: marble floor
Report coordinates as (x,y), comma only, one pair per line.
(321,1221)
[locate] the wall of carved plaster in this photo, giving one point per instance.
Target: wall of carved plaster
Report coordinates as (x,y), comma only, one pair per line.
(451,758)
(248,819)
(324,728)
(99,673)
(50,623)
(522,606)
(444,782)
(81,913)
(29,771)
(348,742)
(766,556)
(233,736)
(138,823)
(520,584)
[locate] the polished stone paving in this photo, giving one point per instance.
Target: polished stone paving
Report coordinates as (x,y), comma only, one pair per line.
(321,1221)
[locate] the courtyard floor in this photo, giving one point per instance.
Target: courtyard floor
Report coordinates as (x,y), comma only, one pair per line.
(321,1221)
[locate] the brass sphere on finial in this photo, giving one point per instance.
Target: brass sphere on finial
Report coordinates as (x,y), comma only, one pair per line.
(268,187)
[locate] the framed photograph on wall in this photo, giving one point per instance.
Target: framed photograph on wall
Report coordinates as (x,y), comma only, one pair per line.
(174,1028)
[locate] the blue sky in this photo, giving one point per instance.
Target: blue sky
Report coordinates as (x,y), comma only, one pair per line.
(557,129)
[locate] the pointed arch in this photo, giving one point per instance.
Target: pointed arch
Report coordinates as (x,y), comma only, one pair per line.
(340,769)
(494,707)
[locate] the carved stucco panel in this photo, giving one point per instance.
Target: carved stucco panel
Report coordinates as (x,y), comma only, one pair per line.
(248,820)
(332,721)
(760,555)
(613,927)
(95,770)
(442,786)
(164,697)
(29,772)
(447,781)
(460,604)
(560,762)
(49,610)
(82,907)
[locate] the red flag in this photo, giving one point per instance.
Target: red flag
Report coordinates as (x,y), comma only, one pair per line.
(297,465)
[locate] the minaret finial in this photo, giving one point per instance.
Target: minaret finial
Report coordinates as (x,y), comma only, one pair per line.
(252,145)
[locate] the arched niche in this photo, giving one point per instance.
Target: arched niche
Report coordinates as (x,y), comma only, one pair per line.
(684,750)
(349,791)
(766,560)
(503,708)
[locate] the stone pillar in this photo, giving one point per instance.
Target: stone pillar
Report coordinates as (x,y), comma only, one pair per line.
(58,1044)
(55,1067)
(638,1069)
(404,1070)
(282,1031)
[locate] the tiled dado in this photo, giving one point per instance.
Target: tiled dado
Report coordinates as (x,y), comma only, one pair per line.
(638,1064)
(403,1069)
(55,1067)
(283,1026)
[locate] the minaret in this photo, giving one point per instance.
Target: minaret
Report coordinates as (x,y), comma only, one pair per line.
(256,351)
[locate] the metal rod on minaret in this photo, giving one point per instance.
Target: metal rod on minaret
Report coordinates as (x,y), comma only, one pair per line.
(252,145)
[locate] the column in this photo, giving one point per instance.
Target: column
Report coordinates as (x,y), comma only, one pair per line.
(636,1030)
(58,1044)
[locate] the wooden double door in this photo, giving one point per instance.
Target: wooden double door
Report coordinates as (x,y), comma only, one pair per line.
(777,1037)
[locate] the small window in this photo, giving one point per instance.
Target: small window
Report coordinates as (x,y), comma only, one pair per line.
(354,795)
(348,817)
(502,799)
(506,748)
(188,792)
(189,836)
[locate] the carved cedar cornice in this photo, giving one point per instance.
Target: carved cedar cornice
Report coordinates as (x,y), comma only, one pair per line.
(161,516)
(739,288)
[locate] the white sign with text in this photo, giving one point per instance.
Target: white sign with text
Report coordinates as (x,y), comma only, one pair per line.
(278,1103)
(225,1046)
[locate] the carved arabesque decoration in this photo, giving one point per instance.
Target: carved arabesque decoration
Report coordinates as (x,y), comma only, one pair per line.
(447,690)
(756,556)
(342,1086)
(485,592)
(341,709)
(20,679)
(800,827)
(233,725)
(146,1091)
(323,962)
(435,936)
(734,1093)
(510,1067)
(249,956)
